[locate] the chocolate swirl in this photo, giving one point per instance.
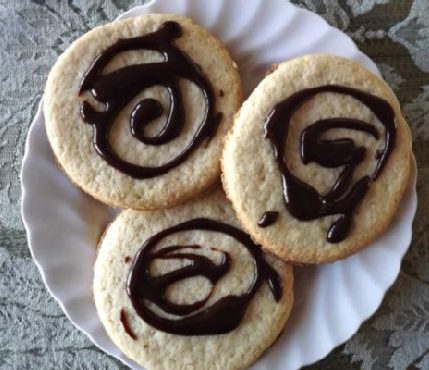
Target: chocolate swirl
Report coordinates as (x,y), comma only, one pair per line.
(268,218)
(195,319)
(126,325)
(302,200)
(118,88)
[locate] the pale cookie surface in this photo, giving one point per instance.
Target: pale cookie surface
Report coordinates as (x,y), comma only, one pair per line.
(72,139)
(253,181)
(264,317)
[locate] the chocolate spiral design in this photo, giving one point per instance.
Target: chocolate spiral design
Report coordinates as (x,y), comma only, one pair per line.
(195,319)
(301,199)
(118,88)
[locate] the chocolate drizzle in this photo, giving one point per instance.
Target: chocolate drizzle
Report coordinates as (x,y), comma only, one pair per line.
(301,199)
(268,218)
(126,325)
(195,319)
(116,89)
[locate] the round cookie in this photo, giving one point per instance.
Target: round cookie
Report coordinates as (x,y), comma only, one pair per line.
(136,110)
(317,160)
(218,334)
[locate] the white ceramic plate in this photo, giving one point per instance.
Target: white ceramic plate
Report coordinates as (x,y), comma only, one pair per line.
(63,224)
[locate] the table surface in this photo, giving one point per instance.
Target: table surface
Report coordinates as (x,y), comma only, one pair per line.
(34,333)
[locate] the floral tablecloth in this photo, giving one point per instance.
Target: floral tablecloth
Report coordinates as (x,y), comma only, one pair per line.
(35,334)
